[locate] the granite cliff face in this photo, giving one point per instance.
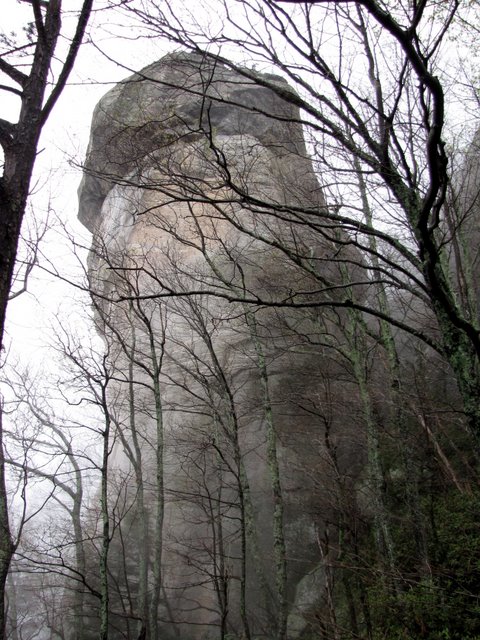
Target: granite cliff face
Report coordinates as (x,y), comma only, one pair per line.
(233,455)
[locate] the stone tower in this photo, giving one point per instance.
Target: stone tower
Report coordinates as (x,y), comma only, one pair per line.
(232,453)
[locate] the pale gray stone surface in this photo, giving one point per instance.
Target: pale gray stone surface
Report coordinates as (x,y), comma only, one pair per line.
(166,217)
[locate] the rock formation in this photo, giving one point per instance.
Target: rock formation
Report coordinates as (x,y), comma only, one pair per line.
(233,455)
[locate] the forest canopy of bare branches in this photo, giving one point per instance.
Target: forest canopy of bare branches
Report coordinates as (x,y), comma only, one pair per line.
(268,424)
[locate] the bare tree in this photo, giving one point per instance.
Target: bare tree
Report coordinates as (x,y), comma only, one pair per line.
(27,67)
(393,125)
(354,267)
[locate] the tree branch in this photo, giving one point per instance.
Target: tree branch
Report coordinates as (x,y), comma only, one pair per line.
(7,131)
(6,87)
(13,73)
(70,60)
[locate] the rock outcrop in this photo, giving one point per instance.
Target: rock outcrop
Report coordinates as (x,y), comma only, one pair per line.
(233,455)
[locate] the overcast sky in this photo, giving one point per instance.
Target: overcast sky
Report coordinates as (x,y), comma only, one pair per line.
(101,63)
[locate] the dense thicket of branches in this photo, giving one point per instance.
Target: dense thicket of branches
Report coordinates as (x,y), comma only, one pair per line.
(358,365)
(28,67)
(374,104)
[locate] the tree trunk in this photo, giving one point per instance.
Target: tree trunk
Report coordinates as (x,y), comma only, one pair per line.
(6,544)
(19,142)
(104,589)
(159,508)
(279,545)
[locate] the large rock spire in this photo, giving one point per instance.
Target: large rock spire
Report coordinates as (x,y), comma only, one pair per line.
(230,429)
